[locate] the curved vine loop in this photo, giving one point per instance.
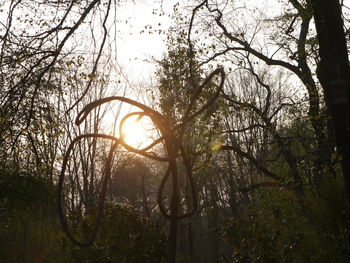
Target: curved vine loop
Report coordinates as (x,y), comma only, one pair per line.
(103,192)
(172,140)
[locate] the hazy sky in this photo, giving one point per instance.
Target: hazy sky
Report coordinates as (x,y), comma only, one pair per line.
(135,48)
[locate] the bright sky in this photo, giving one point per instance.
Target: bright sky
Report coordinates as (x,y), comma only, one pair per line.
(135,49)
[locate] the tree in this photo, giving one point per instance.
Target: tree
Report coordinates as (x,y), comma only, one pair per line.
(179,79)
(281,39)
(133,182)
(333,71)
(40,40)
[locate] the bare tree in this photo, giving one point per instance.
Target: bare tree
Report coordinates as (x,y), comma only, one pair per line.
(40,40)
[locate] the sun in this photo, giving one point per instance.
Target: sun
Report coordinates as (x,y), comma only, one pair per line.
(137,132)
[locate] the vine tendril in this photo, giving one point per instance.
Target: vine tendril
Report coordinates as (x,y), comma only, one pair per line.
(171,138)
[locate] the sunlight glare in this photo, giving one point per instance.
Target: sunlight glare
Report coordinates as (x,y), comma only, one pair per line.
(138,132)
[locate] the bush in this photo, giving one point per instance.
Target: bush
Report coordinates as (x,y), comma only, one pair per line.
(124,236)
(281,228)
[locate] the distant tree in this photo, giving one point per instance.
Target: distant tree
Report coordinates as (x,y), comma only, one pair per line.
(133,182)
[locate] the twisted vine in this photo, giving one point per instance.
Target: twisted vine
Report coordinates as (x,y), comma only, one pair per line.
(172,139)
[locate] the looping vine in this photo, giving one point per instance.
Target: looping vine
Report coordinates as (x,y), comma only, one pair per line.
(171,138)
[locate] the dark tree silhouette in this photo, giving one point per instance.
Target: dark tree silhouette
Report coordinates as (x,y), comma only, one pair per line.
(334,74)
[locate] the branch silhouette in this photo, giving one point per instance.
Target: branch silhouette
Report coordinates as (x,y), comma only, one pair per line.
(172,138)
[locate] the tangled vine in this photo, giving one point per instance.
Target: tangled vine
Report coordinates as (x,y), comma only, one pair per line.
(171,137)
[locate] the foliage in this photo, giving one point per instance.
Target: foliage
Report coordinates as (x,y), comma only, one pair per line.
(279,227)
(28,226)
(26,191)
(179,76)
(29,230)
(124,236)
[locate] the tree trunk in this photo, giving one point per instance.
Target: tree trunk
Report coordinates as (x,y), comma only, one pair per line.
(333,72)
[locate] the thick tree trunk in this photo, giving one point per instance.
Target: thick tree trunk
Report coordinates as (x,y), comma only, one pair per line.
(334,74)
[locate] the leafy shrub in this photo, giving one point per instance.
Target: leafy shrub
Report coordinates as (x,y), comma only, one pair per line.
(124,236)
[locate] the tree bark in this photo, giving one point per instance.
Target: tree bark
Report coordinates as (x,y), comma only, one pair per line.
(333,72)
